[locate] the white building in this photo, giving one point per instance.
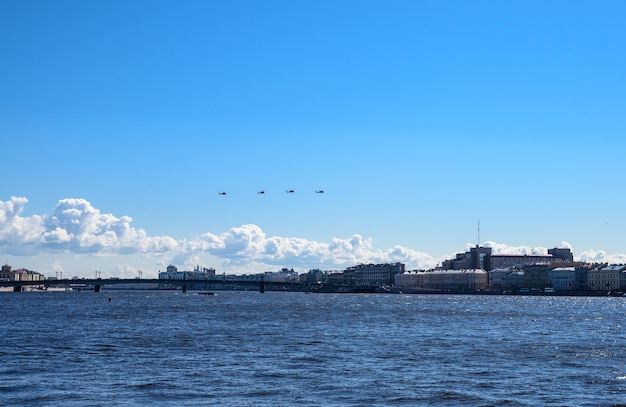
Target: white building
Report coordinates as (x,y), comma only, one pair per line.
(172,273)
(283,276)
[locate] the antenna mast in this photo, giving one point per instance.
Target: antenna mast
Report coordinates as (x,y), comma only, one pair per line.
(478,242)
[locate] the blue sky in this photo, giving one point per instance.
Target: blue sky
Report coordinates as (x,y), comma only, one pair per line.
(121,121)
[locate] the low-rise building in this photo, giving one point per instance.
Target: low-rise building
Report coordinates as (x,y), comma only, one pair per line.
(498,278)
(605,278)
(283,276)
(536,276)
(7,274)
(314,276)
(376,274)
(337,278)
(413,279)
(482,258)
(450,280)
(562,278)
(198,273)
(582,277)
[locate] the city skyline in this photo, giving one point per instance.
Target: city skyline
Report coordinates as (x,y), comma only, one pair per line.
(122,122)
(76,230)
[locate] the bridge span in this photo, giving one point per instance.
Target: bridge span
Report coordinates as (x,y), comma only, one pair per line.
(184,285)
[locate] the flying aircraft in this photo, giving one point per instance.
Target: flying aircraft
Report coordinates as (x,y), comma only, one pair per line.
(290,191)
(321,191)
(260,192)
(221,193)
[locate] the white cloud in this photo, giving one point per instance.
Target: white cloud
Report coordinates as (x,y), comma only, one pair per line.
(500,248)
(600,256)
(18,232)
(83,228)
(248,243)
(565,245)
(75,226)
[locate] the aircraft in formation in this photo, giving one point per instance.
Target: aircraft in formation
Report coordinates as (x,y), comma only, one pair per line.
(289,191)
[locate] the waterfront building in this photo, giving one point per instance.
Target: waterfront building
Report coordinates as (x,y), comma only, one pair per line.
(482,258)
(562,278)
(476,258)
(536,276)
(562,253)
(607,278)
(198,273)
(376,274)
(336,278)
(541,276)
(449,280)
(622,277)
(314,276)
(582,280)
(470,279)
(283,276)
(413,279)
(7,274)
(349,276)
(521,260)
(515,279)
(498,278)
(509,278)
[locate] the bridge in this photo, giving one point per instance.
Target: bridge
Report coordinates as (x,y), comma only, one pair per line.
(218,283)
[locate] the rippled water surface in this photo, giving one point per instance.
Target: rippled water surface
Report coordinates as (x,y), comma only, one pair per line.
(247,348)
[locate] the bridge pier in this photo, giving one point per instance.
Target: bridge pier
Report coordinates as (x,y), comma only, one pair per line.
(18,289)
(97,288)
(184,288)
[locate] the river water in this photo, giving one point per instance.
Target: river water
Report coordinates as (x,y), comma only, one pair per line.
(146,348)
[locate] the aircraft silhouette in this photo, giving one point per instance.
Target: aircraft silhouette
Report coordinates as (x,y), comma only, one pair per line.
(289,191)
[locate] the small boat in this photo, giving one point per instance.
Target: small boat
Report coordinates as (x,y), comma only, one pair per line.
(206,293)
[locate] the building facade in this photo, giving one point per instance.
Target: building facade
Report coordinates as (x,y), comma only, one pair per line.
(7,274)
(198,273)
(283,276)
(482,258)
(562,278)
(607,278)
(374,274)
(448,280)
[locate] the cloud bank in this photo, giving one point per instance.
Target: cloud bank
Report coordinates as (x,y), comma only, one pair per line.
(76,227)
(248,243)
